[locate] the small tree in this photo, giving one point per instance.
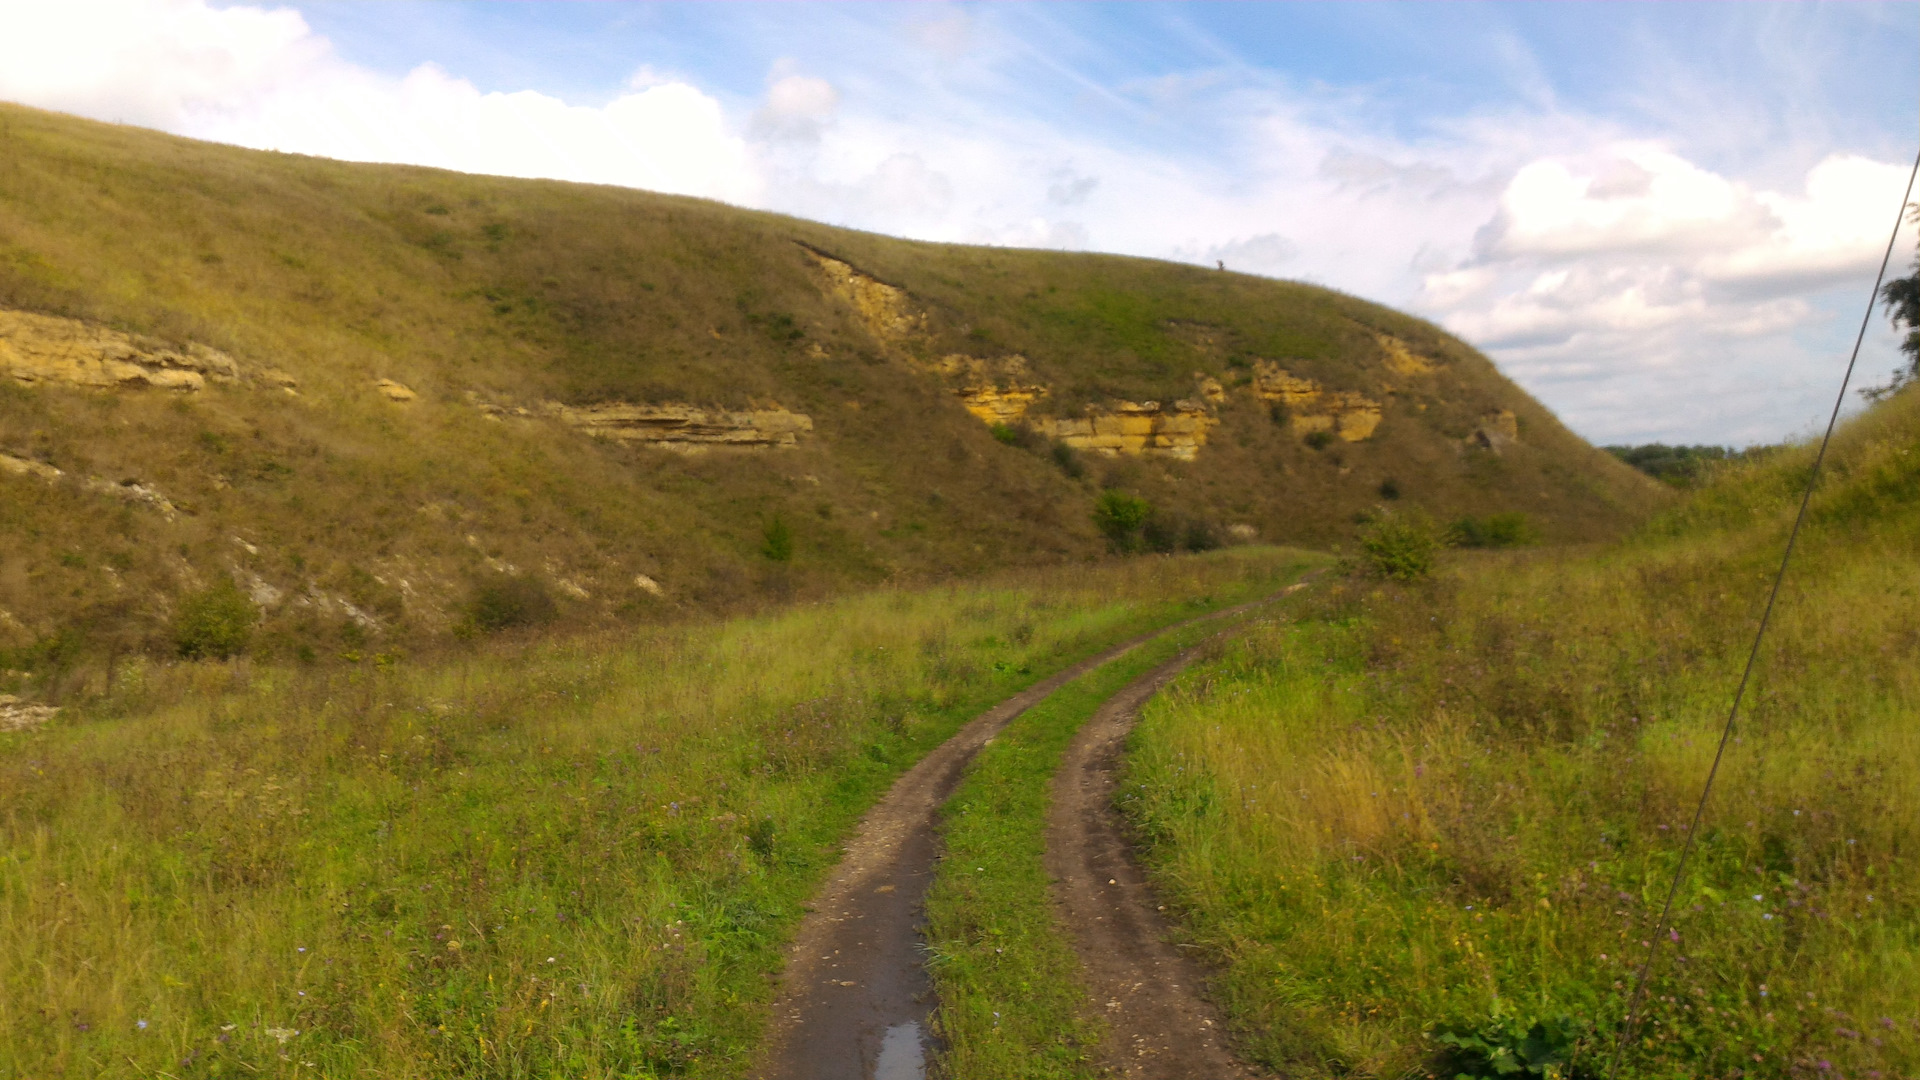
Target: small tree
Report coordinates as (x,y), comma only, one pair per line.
(1902,298)
(1120,517)
(215,623)
(1400,546)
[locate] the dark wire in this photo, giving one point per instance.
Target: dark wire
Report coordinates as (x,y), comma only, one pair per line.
(1686,851)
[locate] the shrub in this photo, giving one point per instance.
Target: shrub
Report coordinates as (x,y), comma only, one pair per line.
(215,623)
(504,603)
(1068,461)
(1400,546)
(1007,434)
(1511,529)
(1120,517)
(776,540)
(1200,536)
(1390,489)
(1161,534)
(1320,440)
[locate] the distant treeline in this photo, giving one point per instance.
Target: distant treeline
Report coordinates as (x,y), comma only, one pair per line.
(1682,466)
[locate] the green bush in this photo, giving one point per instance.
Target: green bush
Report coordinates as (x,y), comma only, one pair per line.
(1400,546)
(1511,529)
(504,603)
(215,623)
(1320,440)
(1120,518)
(1068,461)
(1161,534)
(1007,434)
(776,540)
(1200,536)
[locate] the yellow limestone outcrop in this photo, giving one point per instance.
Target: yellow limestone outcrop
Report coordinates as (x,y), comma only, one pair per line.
(1402,360)
(1135,427)
(1310,407)
(995,391)
(686,427)
(1003,391)
(50,349)
(887,310)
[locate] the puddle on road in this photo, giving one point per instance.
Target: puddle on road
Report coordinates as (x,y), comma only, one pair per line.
(902,1057)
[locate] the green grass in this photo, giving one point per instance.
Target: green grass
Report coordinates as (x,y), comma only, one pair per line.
(547,859)
(1458,804)
(1011,1002)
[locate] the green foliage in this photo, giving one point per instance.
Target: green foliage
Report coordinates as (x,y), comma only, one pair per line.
(1680,466)
(1120,517)
(776,540)
(1400,546)
(1200,536)
(1503,530)
(1319,440)
(1503,1047)
(507,602)
(214,623)
(1006,434)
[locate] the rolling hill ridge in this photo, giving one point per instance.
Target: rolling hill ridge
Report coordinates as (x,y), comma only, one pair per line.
(369,394)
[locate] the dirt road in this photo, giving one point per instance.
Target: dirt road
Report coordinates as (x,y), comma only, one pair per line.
(1161,1027)
(855,997)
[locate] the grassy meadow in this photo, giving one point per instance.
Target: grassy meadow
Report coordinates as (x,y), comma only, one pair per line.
(553,858)
(1419,823)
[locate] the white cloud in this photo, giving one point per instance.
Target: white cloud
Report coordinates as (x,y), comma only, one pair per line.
(1610,273)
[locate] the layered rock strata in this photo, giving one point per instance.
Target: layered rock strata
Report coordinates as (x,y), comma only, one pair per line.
(686,427)
(1311,408)
(50,349)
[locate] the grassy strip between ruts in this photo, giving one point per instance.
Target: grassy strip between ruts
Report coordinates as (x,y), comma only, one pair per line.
(574,859)
(1003,968)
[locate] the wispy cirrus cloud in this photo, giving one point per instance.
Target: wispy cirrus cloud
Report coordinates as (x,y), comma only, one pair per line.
(1644,283)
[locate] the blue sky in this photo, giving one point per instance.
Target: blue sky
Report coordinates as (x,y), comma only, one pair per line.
(1661,219)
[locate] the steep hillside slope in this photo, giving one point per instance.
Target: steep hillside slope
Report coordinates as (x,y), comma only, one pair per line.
(364,392)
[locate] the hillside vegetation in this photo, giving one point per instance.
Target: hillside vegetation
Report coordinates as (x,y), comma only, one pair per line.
(578,859)
(390,404)
(1426,825)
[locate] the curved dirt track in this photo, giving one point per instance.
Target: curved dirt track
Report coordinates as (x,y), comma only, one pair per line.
(855,997)
(1160,1025)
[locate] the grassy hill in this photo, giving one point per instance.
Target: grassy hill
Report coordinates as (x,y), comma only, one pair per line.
(391,403)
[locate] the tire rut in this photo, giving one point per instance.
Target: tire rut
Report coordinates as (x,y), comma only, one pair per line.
(1161,1025)
(855,997)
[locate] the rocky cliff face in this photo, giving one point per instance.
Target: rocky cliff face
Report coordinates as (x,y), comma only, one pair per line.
(50,349)
(1312,408)
(687,428)
(1003,390)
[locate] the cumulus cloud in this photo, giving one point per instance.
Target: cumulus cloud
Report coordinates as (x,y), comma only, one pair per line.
(262,78)
(1634,265)
(1638,290)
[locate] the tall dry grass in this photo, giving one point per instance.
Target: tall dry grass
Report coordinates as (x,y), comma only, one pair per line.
(550,859)
(1459,805)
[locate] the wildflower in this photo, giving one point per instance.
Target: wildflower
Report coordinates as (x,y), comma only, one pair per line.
(141,1024)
